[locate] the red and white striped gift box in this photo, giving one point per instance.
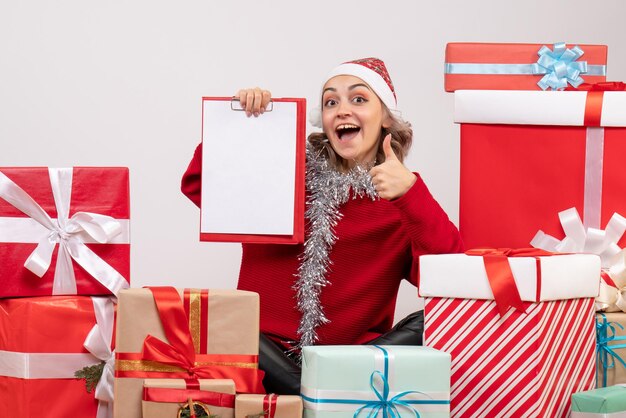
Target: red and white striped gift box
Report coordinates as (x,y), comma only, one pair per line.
(521,364)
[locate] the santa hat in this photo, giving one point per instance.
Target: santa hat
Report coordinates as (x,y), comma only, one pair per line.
(370,70)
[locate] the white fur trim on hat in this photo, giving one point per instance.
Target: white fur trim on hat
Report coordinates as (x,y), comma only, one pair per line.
(315,117)
(371,77)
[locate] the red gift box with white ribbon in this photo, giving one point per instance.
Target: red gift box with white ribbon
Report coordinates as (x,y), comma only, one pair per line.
(39,357)
(64,231)
(528,155)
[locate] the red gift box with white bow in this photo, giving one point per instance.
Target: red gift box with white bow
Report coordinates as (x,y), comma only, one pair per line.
(39,357)
(64,231)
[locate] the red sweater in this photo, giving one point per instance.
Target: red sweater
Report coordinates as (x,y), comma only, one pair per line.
(378,245)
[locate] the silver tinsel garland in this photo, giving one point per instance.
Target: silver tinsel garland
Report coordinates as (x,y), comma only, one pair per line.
(328,189)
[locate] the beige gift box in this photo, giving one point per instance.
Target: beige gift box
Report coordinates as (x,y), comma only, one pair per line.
(159,403)
(617,374)
(224,327)
(284,406)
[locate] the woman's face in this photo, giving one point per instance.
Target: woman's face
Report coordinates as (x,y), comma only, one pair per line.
(352,118)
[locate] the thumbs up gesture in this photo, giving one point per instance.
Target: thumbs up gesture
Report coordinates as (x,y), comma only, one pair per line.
(391,178)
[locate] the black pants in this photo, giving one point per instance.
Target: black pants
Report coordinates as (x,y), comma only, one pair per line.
(282,373)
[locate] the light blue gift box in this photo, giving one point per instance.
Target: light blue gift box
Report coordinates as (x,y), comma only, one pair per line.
(375,381)
(608,402)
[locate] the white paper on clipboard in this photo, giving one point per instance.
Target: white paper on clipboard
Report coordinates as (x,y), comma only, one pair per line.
(248,169)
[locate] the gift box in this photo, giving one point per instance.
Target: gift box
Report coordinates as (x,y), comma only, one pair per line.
(344,381)
(609,402)
(64,231)
(163,332)
(39,357)
(528,156)
(165,398)
(613,285)
(524,351)
(268,406)
(611,348)
(505,66)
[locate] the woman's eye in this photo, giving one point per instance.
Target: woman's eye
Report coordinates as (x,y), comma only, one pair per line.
(330,102)
(359,99)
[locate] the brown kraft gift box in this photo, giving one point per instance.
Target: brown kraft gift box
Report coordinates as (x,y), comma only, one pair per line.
(163,398)
(224,327)
(268,406)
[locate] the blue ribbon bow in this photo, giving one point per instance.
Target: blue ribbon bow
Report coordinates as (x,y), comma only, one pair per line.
(559,66)
(605,333)
(388,406)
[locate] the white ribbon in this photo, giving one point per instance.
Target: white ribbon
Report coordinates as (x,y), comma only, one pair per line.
(594,160)
(43,365)
(98,343)
(593,241)
(68,233)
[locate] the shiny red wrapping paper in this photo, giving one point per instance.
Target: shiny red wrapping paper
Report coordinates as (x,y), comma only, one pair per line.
(94,189)
(53,324)
(515,179)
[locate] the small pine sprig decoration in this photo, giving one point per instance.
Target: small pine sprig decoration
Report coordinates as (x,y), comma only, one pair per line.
(91,374)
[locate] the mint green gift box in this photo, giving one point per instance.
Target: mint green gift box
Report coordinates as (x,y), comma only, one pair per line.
(339,381)
(608,402)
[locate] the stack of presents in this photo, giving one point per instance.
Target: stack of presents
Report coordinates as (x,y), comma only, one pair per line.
(529,323)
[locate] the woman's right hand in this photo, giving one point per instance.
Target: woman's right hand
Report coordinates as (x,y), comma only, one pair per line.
(254,101)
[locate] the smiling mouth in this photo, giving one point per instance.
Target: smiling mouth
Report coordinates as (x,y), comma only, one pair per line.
(347,131)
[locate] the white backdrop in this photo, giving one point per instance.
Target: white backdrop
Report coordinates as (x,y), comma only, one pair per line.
(119,83)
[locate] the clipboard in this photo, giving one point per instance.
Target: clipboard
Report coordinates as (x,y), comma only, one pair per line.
(253,172)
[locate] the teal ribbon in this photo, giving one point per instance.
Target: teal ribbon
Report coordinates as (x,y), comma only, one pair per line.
(558,67)
(605,334)
(388,406)
(384,404)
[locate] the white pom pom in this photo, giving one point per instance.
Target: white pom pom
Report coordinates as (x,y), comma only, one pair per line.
(315,117)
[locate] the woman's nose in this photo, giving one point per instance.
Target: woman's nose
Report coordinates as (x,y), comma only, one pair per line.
(343,109)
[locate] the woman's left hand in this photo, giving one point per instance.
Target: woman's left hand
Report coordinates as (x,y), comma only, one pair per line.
(391,178)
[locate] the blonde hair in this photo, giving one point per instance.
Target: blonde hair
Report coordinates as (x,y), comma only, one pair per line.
(401,140)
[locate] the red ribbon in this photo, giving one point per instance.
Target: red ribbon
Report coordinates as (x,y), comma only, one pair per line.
(595,97)
(224,400)
(180,351)
(605,86)
(269,405)
(607,279)
(500,276)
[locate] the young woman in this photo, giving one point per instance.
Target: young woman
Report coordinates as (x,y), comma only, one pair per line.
(368,219)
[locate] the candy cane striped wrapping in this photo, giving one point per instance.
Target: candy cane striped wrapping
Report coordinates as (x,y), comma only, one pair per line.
(520,365)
